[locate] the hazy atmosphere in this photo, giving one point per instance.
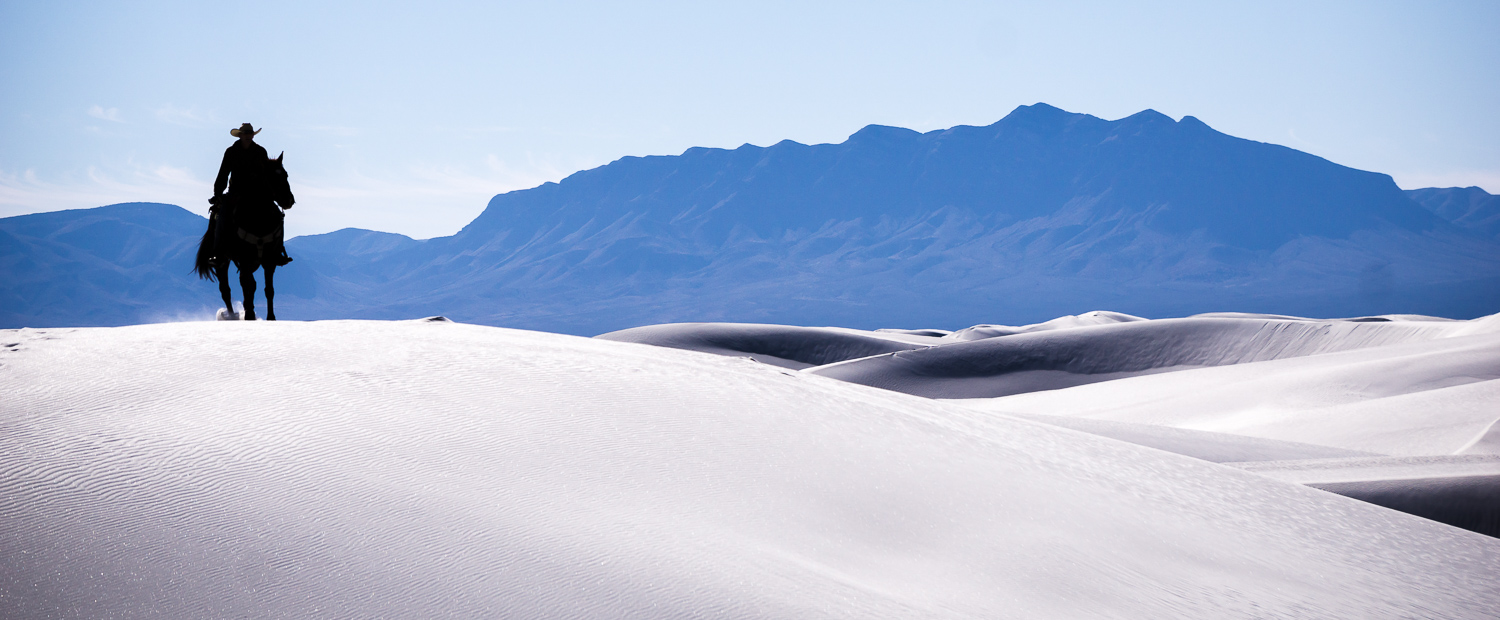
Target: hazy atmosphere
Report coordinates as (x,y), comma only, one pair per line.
(408,118)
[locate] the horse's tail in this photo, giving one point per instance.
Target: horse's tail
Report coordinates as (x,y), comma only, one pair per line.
(204,264)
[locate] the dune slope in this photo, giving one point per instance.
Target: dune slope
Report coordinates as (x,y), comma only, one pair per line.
(780,345)
(426,469)
(1462,491)
(1058,358)
(1212,447)
(1409,399)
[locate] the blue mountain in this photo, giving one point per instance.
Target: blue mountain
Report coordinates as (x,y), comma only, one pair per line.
(116,265)
(1468,207)
(1041,214)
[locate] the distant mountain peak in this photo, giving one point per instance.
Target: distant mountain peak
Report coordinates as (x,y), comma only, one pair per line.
(1192,121)
(1149,116)
(883,133)
(1040,108)
(1039,113)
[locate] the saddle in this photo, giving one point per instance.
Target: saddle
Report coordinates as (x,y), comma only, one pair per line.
(224,209)
(260,241)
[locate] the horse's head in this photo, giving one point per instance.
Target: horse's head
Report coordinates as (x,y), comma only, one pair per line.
(281,187)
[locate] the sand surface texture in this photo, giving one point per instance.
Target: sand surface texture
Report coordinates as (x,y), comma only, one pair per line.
(430,469)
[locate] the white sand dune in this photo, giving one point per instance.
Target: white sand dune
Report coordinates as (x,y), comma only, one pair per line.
(796,347)
(1488,442)
(1061,358)
(1463,491)
(1204,445)
(1410,399)
(1418,399)
(1235,387)
(1358,469)
(1097,317)
(431,469)
(780,345)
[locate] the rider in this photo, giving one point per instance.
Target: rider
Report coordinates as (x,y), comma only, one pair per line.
(244,166)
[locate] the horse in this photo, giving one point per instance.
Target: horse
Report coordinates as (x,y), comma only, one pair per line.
(252,227)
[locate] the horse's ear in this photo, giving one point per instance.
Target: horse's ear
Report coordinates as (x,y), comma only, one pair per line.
(278,157)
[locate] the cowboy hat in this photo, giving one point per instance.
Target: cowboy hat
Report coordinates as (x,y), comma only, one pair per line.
(244,128)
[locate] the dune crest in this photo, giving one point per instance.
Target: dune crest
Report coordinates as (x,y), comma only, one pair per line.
(1423,397)
(1487,442)
(1097,317)
(779,345)
(1059,358)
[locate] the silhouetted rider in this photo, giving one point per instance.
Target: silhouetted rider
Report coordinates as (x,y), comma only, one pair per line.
(242,173)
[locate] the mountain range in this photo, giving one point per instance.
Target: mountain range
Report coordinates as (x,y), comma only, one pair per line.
(1041,214)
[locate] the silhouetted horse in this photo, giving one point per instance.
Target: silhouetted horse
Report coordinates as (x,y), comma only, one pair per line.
(253,232)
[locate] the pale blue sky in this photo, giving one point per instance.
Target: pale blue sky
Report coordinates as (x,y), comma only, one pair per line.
(407,117)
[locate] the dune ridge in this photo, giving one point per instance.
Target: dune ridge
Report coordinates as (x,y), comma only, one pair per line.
(1203,445)
(1096,317)
(1414,398)
(1057,358)
(1459,490)
(780,345)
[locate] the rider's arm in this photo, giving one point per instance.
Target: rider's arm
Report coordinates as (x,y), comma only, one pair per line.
(222,180)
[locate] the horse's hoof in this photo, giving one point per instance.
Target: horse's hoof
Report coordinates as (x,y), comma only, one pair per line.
(270,317)
(249,315)
(225,315)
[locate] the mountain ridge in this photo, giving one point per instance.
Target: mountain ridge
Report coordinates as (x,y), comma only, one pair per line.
(1471,208)
(1026,123)
(1041,214)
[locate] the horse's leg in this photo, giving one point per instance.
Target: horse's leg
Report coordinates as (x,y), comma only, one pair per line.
(222,271)
(247,284)
(270,271)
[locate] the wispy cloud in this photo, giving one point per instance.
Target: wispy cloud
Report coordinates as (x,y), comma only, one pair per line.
(336,130)
(26,192)
(536,171)
(108,114)
(473,131)
(1301,143)
(185,117)
(420,201)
